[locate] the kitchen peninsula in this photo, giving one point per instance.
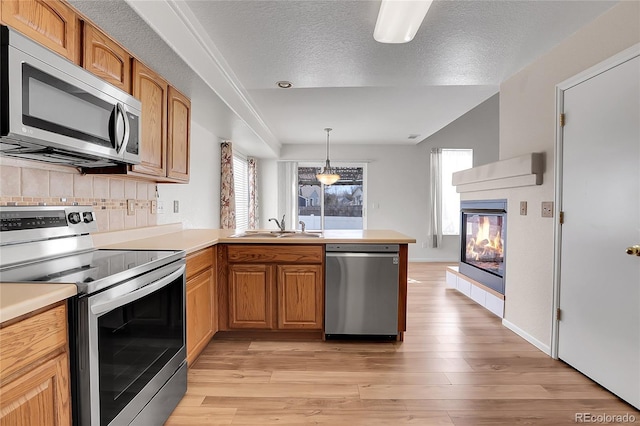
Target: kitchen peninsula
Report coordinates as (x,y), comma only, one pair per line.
(256,286)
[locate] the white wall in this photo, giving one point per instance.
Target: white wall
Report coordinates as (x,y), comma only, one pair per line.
(527,124)
(398,176)
(267,190)
(199,199)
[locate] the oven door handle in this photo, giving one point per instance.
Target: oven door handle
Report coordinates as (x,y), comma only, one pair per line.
(101,308)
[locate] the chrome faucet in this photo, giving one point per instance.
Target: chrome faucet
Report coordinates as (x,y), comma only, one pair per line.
(280,224)
(303,225)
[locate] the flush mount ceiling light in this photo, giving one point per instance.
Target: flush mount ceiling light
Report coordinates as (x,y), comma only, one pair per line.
(399,20)
(328,176)
(284,84)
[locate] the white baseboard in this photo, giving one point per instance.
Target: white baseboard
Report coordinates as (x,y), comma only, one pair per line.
(526,336)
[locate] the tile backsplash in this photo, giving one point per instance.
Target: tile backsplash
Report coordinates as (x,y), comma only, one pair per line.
(23,186)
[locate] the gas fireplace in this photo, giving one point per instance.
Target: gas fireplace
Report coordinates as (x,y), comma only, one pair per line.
(483,234)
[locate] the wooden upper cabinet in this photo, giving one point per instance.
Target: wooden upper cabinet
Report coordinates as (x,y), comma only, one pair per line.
(49,22)
(151,90)
(179,129)
(105,58)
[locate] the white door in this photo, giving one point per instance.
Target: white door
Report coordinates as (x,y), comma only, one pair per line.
(599,329)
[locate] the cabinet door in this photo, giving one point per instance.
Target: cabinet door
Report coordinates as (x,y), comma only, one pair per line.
(179,125)
(105,58)
(300,297)
(151,90)
(250,296)
(199,313)
(49,22)
(40,397)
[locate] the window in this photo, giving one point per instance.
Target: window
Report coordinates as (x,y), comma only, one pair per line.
(453,160)
(340,205)
(241,186)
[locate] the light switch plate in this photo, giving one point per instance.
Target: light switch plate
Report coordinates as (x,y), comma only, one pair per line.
(523,208)
(176,206)
(547,209)
(154,207)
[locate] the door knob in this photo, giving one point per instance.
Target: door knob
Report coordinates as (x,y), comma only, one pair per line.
(633,250)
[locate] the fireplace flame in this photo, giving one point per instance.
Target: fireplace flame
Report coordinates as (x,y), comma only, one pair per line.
(484,245)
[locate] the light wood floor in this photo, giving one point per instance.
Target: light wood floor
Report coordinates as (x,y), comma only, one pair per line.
(457,366)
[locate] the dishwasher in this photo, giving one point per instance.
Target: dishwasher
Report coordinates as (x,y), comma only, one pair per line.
(361,290)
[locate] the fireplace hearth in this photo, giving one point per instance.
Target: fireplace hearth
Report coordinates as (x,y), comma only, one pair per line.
(483,233)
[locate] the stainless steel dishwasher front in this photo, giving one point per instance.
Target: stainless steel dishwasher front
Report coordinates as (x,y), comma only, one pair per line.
(361,290)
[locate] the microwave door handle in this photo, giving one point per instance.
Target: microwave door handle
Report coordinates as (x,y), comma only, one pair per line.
(101,308)
(120,128)
(127,129)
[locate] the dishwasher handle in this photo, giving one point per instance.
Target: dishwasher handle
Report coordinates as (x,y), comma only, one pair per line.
(351,254)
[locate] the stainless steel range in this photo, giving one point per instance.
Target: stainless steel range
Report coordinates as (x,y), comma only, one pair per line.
(127,323)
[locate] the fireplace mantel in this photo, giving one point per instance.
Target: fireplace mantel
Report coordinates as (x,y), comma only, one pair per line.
(525,170)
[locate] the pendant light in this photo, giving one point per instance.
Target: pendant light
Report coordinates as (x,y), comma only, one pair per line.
(328,176)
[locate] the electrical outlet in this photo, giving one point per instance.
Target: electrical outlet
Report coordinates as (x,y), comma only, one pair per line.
(547,209)
(176,206)
(523,208)
(131,207)
(160,207)
(154,207)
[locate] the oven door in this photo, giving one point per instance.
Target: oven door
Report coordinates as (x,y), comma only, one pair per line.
(133,344)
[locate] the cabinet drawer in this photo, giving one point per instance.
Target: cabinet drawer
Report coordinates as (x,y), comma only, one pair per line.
(26,341)
(199,261)
(268,253)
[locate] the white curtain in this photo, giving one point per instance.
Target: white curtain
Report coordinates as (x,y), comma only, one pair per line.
(288,192)
(435,224)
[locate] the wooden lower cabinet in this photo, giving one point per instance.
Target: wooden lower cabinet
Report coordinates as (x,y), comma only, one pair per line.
(251,296)
(273,287)
(201,302)
(300,297)
(34,373)
(39,397)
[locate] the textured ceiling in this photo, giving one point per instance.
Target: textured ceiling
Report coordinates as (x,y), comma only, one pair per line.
(367,91)
(379,93)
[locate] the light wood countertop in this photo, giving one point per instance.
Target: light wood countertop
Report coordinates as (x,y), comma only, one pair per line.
(17,299)
(192,240)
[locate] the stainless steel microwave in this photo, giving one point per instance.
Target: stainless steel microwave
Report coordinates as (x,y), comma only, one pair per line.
(55,111)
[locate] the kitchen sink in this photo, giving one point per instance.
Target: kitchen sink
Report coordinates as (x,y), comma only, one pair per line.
(276,234)
(301,235)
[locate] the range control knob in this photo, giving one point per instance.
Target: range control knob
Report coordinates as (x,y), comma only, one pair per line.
(74,218)
(87,217)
